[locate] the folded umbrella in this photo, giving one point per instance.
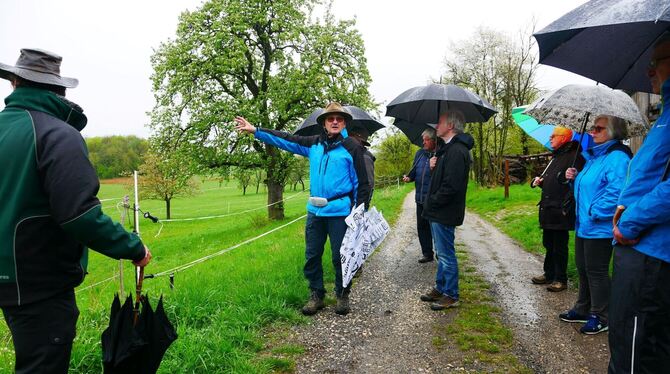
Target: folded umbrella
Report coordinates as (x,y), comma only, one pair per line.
(609,41)
(360,118)
(424,104)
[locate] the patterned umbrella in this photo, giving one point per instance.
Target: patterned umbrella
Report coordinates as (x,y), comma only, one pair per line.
(571,106)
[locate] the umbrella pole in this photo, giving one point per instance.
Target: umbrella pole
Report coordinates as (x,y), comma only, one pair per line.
(581,133)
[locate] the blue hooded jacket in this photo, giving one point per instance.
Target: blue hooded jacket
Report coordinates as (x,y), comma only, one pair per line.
(336,169)
(597,188)
(420,174)
(645,196)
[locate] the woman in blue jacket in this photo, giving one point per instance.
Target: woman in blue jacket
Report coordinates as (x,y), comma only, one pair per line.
(596,190)
(338,182)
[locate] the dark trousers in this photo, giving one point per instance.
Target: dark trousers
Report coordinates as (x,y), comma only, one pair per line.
(592,257)
(639,324)
(425,235)
(556,260)
(42,333)
(316,231)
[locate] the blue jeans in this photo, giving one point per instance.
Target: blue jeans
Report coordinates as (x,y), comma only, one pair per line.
(316,231)
(446,277)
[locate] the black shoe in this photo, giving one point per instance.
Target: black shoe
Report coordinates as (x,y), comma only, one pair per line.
(424,259)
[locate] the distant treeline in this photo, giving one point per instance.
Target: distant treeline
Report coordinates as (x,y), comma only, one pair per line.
(116,156)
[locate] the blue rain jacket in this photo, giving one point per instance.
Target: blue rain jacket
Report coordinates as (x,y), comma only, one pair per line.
(645,196)
(597,189)
(336,168)
(420,174)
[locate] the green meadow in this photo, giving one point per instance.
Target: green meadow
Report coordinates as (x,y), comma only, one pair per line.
(221,307)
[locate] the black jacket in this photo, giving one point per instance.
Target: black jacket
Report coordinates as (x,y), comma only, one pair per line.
(557,205)
(50,212)
(445,202)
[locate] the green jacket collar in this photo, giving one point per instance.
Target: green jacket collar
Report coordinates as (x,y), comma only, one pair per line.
(40,100)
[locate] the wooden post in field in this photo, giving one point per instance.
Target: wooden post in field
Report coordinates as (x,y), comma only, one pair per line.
(506,179)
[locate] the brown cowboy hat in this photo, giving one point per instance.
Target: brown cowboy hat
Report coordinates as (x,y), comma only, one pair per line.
(38,66)
(334,108)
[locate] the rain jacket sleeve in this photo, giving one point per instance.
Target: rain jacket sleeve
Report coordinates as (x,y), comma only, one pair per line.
(291,143)
(603,206)
(651,209)
(70,181)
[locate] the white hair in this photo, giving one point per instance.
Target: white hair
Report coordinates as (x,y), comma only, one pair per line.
(457,118)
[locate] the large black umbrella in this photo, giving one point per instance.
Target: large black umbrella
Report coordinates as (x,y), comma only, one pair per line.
(360,118)
(424,104)
(609,41)
(135,341)
(413,131)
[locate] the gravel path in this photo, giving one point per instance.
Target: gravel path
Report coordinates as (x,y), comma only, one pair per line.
(544,342)
(390,331)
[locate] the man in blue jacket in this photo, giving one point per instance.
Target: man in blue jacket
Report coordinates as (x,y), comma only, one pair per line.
(639,334)
(420,174)
(338,181)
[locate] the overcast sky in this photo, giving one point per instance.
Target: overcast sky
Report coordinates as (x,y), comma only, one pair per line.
(107,45)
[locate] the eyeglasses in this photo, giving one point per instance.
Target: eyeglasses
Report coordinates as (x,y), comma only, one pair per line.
(555,136)
(653,63)
(597,129)
(334,119)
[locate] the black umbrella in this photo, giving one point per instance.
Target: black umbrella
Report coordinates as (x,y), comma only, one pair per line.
(135,341)
(413,131)
(360,118)
(609,41)
(424,104)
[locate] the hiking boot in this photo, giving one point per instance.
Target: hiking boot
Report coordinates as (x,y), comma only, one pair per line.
(431,295)
(573,317)
(594,326)
(342,307)
(557,287)
(425,259)
(444,302)
(540,280)
(314,304)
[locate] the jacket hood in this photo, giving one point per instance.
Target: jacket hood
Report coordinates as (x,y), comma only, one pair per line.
(599,149)
(45,101)
(464,138)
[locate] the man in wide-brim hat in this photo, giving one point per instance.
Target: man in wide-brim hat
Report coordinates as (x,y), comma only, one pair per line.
(51,214)
(338,182)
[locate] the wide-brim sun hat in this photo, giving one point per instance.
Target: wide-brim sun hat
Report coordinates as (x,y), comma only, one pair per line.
(334,108)
(40,66)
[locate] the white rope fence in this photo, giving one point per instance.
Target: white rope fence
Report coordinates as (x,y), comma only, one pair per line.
(201,259)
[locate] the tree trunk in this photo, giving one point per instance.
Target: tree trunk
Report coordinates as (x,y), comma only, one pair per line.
(257,187)
(303,185)
(167,208)
(524,143)
(275,185)
(244,190)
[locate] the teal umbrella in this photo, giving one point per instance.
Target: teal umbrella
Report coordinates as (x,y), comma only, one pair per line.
(542,131)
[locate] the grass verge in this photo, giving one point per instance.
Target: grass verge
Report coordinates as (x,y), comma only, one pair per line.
(476,328)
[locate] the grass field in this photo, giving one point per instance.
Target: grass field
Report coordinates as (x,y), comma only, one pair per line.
(517,216)
(221,307)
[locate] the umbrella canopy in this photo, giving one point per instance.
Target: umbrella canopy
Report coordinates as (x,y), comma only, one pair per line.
(360,118)
(129,347)
(609,41)
(541,132)
(424,104)
(413,131)
(571,105)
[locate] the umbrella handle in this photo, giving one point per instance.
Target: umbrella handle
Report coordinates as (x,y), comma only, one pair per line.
(138,294)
